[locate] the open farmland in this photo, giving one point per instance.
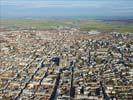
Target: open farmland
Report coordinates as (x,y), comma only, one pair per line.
(86,25)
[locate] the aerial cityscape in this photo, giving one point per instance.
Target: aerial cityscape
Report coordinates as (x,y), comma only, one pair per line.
(66,50)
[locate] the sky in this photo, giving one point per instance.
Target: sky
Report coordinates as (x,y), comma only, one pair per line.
(66,8)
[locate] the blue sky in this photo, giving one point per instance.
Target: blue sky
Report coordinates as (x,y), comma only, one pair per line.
(66,8)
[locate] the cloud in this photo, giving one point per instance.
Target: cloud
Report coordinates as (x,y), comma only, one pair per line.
(92,4)
(49,3)
(67,7)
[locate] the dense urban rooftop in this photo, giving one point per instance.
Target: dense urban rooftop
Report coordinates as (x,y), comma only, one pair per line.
(65,64)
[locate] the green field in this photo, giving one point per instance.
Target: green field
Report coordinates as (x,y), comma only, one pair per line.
(107,26)
(39,24)
(82,24)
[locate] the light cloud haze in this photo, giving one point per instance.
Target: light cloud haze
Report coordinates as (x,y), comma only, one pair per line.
(52,8)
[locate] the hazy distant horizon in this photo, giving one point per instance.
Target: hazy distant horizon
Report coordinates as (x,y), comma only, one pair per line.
(73,9)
